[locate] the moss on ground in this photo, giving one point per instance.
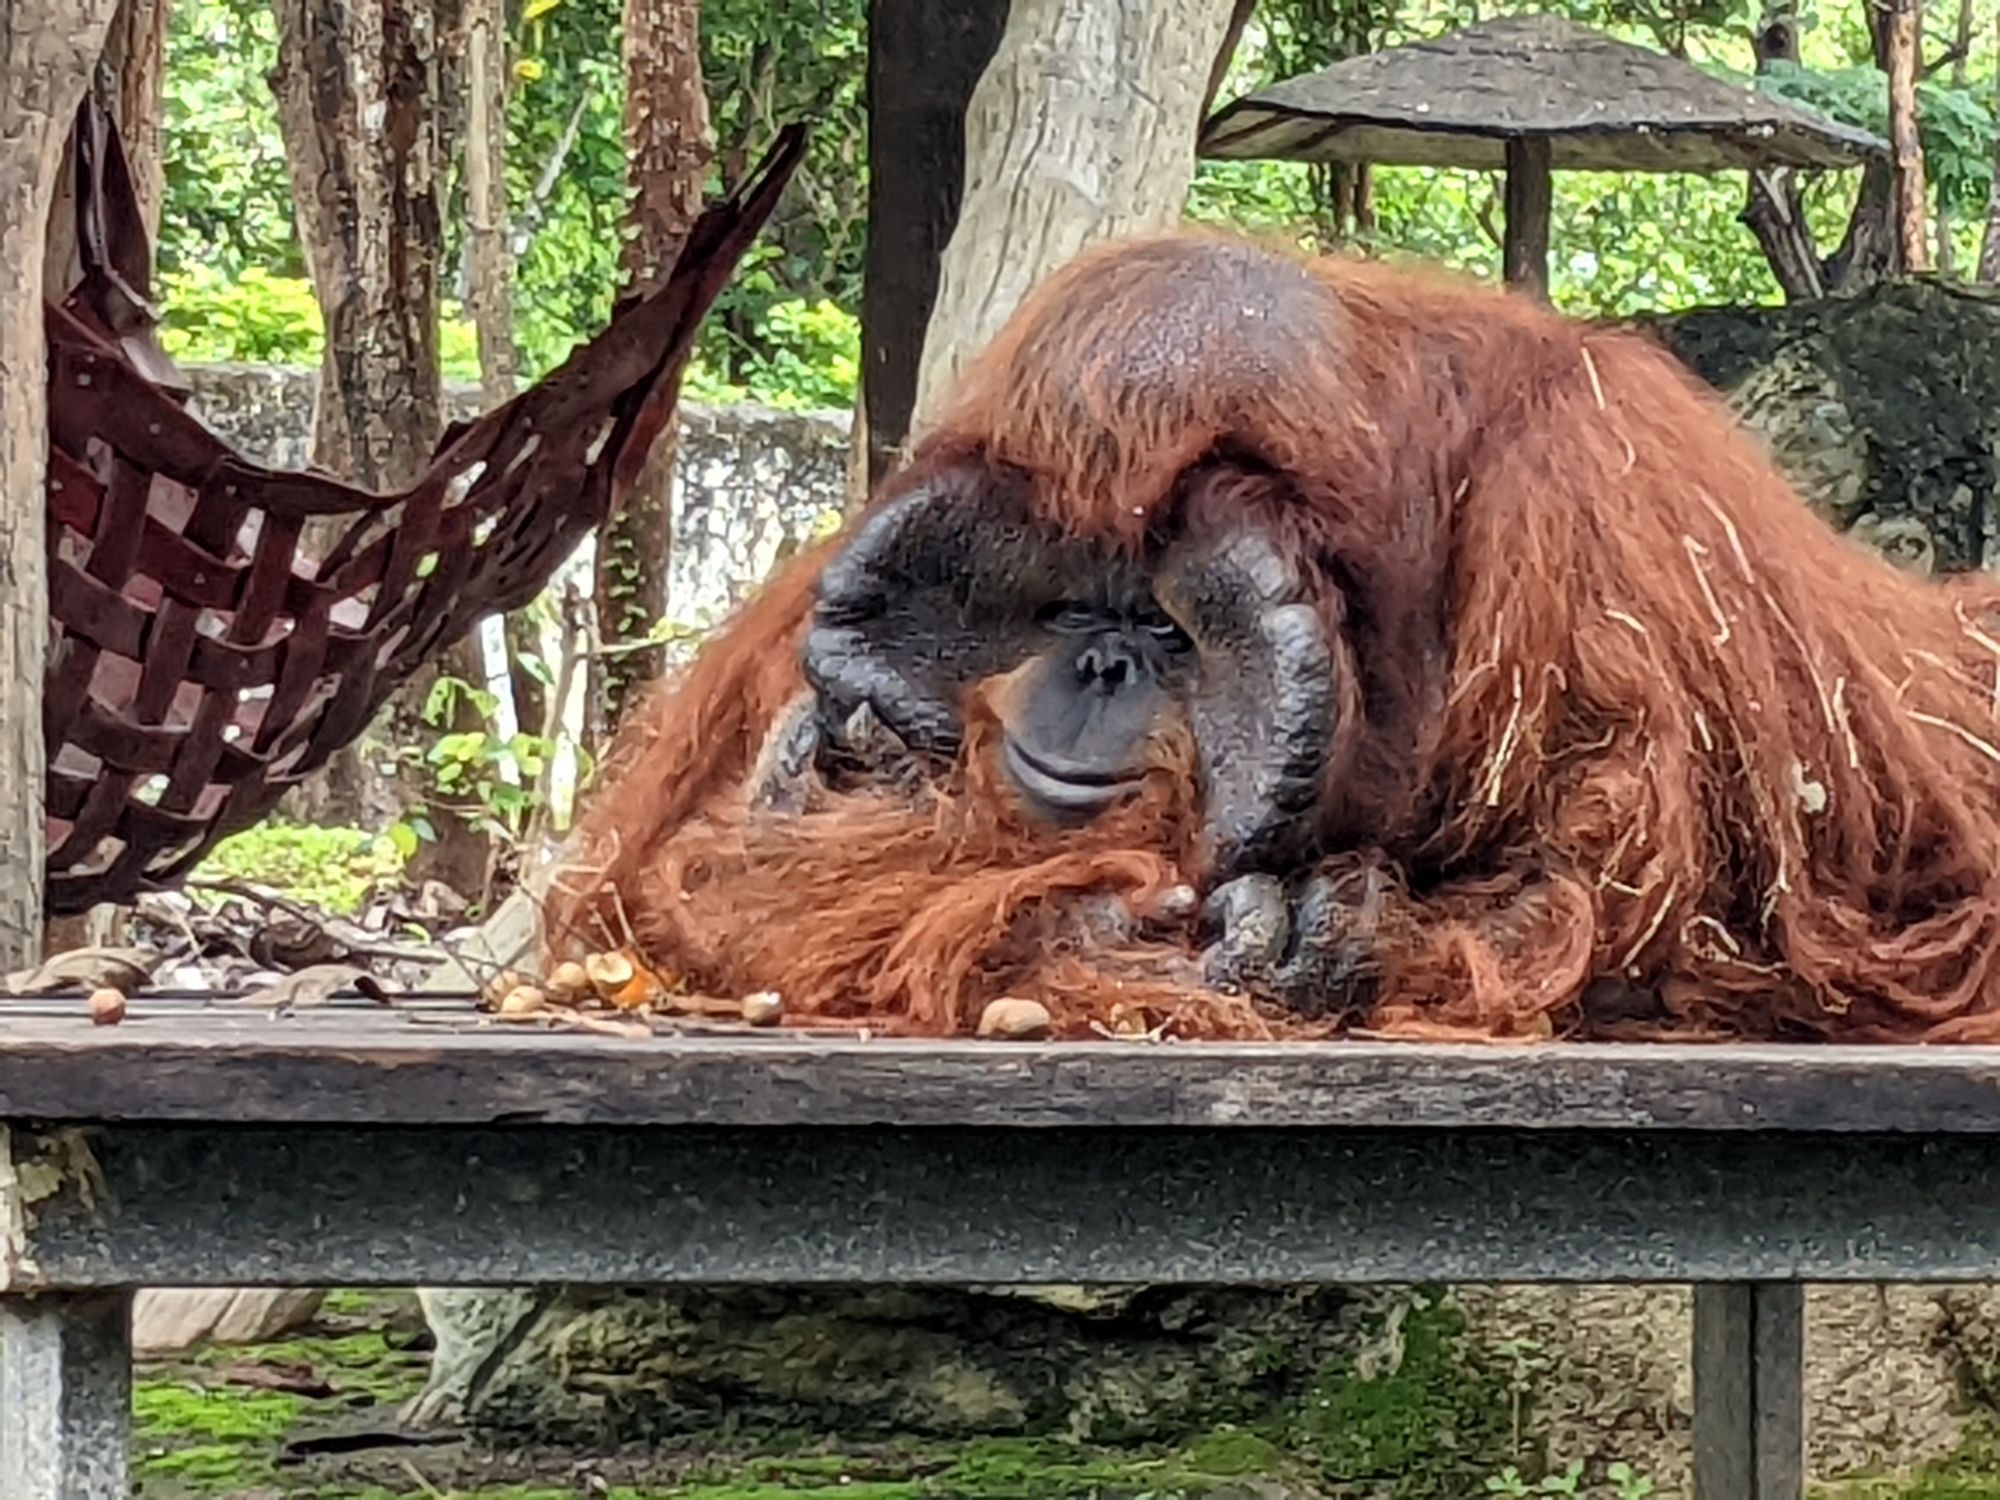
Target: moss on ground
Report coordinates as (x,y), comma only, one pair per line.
(1426,1418)
(1419,1414)
(216,1423)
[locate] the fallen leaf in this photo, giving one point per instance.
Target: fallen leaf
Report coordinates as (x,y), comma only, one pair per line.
(294,1379)
(87,969)
(316,986)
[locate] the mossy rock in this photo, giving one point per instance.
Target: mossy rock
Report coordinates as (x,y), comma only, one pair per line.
(1883,405)
(1377,1391)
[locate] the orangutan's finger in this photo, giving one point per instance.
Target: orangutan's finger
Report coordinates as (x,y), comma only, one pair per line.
(1265,696)
(1254,925)
(1330,965)
(785,779)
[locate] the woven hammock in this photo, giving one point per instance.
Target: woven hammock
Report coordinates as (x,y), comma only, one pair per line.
(200,663)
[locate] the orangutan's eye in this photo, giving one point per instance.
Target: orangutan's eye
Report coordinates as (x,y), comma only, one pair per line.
(1161,628)
(1068,617)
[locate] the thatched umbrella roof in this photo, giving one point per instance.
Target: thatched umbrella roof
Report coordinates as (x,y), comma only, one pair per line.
(1532,94)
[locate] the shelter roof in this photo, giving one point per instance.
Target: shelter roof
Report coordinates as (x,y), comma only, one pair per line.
(1603,104)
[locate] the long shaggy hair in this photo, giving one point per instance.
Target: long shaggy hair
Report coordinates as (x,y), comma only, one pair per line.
(1630,713)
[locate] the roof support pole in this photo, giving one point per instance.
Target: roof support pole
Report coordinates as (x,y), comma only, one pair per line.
(1530,191)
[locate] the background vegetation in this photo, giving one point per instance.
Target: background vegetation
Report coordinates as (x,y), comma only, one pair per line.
(787,335)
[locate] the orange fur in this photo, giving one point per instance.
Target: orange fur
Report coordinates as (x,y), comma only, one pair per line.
(1625,708)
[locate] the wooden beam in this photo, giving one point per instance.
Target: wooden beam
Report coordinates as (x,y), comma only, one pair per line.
(923,62)
(1530,190)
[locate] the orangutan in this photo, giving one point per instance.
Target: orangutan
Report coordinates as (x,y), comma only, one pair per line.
(1265,646)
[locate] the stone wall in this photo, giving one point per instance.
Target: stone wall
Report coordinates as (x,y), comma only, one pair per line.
(750,486)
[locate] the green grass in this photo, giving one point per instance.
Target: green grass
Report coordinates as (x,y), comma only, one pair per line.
(331,868)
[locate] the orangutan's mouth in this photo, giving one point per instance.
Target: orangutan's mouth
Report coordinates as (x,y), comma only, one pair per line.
(1060,788)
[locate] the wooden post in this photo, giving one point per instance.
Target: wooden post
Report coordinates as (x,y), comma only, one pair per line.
(47,48)
(1530,191)
(1749,1391)
(923,61)
(65,1396)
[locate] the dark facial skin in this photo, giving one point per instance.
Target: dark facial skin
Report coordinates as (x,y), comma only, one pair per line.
(953,583)
(1087,706)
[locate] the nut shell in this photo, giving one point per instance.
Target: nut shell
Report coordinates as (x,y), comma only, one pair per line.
(523,1002)
(107,1006)
(765,1008)
(1015,1020)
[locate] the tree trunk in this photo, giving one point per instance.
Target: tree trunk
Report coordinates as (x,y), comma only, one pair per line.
(46,53)
(1776,211)
(1905,39)
(668,151)
(531,693)
(362,92)
(1232,37)
(1082,128)
(491,292)
(1947,252)
(359,89)
(924,60)
(1989,245)
(128,82)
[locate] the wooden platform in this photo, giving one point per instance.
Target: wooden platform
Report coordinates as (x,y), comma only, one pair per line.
(354,1144)
(442,1062)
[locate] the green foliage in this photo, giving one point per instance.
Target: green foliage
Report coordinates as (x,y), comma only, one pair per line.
(458,345)
(228,204)
(1954,123)
(488,777)
(799,355)
(768,63)
(784,332)
(332,868)
(565,174)
(213,316)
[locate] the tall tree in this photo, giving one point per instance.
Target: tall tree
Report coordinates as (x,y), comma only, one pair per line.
(361,92)
(128,83)
(489,281)
(1082,127)
(489,278)
(924,60)
(1961,51)
(47,48)
(365,94)
(1912,200)
(1776,211)
(668,151)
